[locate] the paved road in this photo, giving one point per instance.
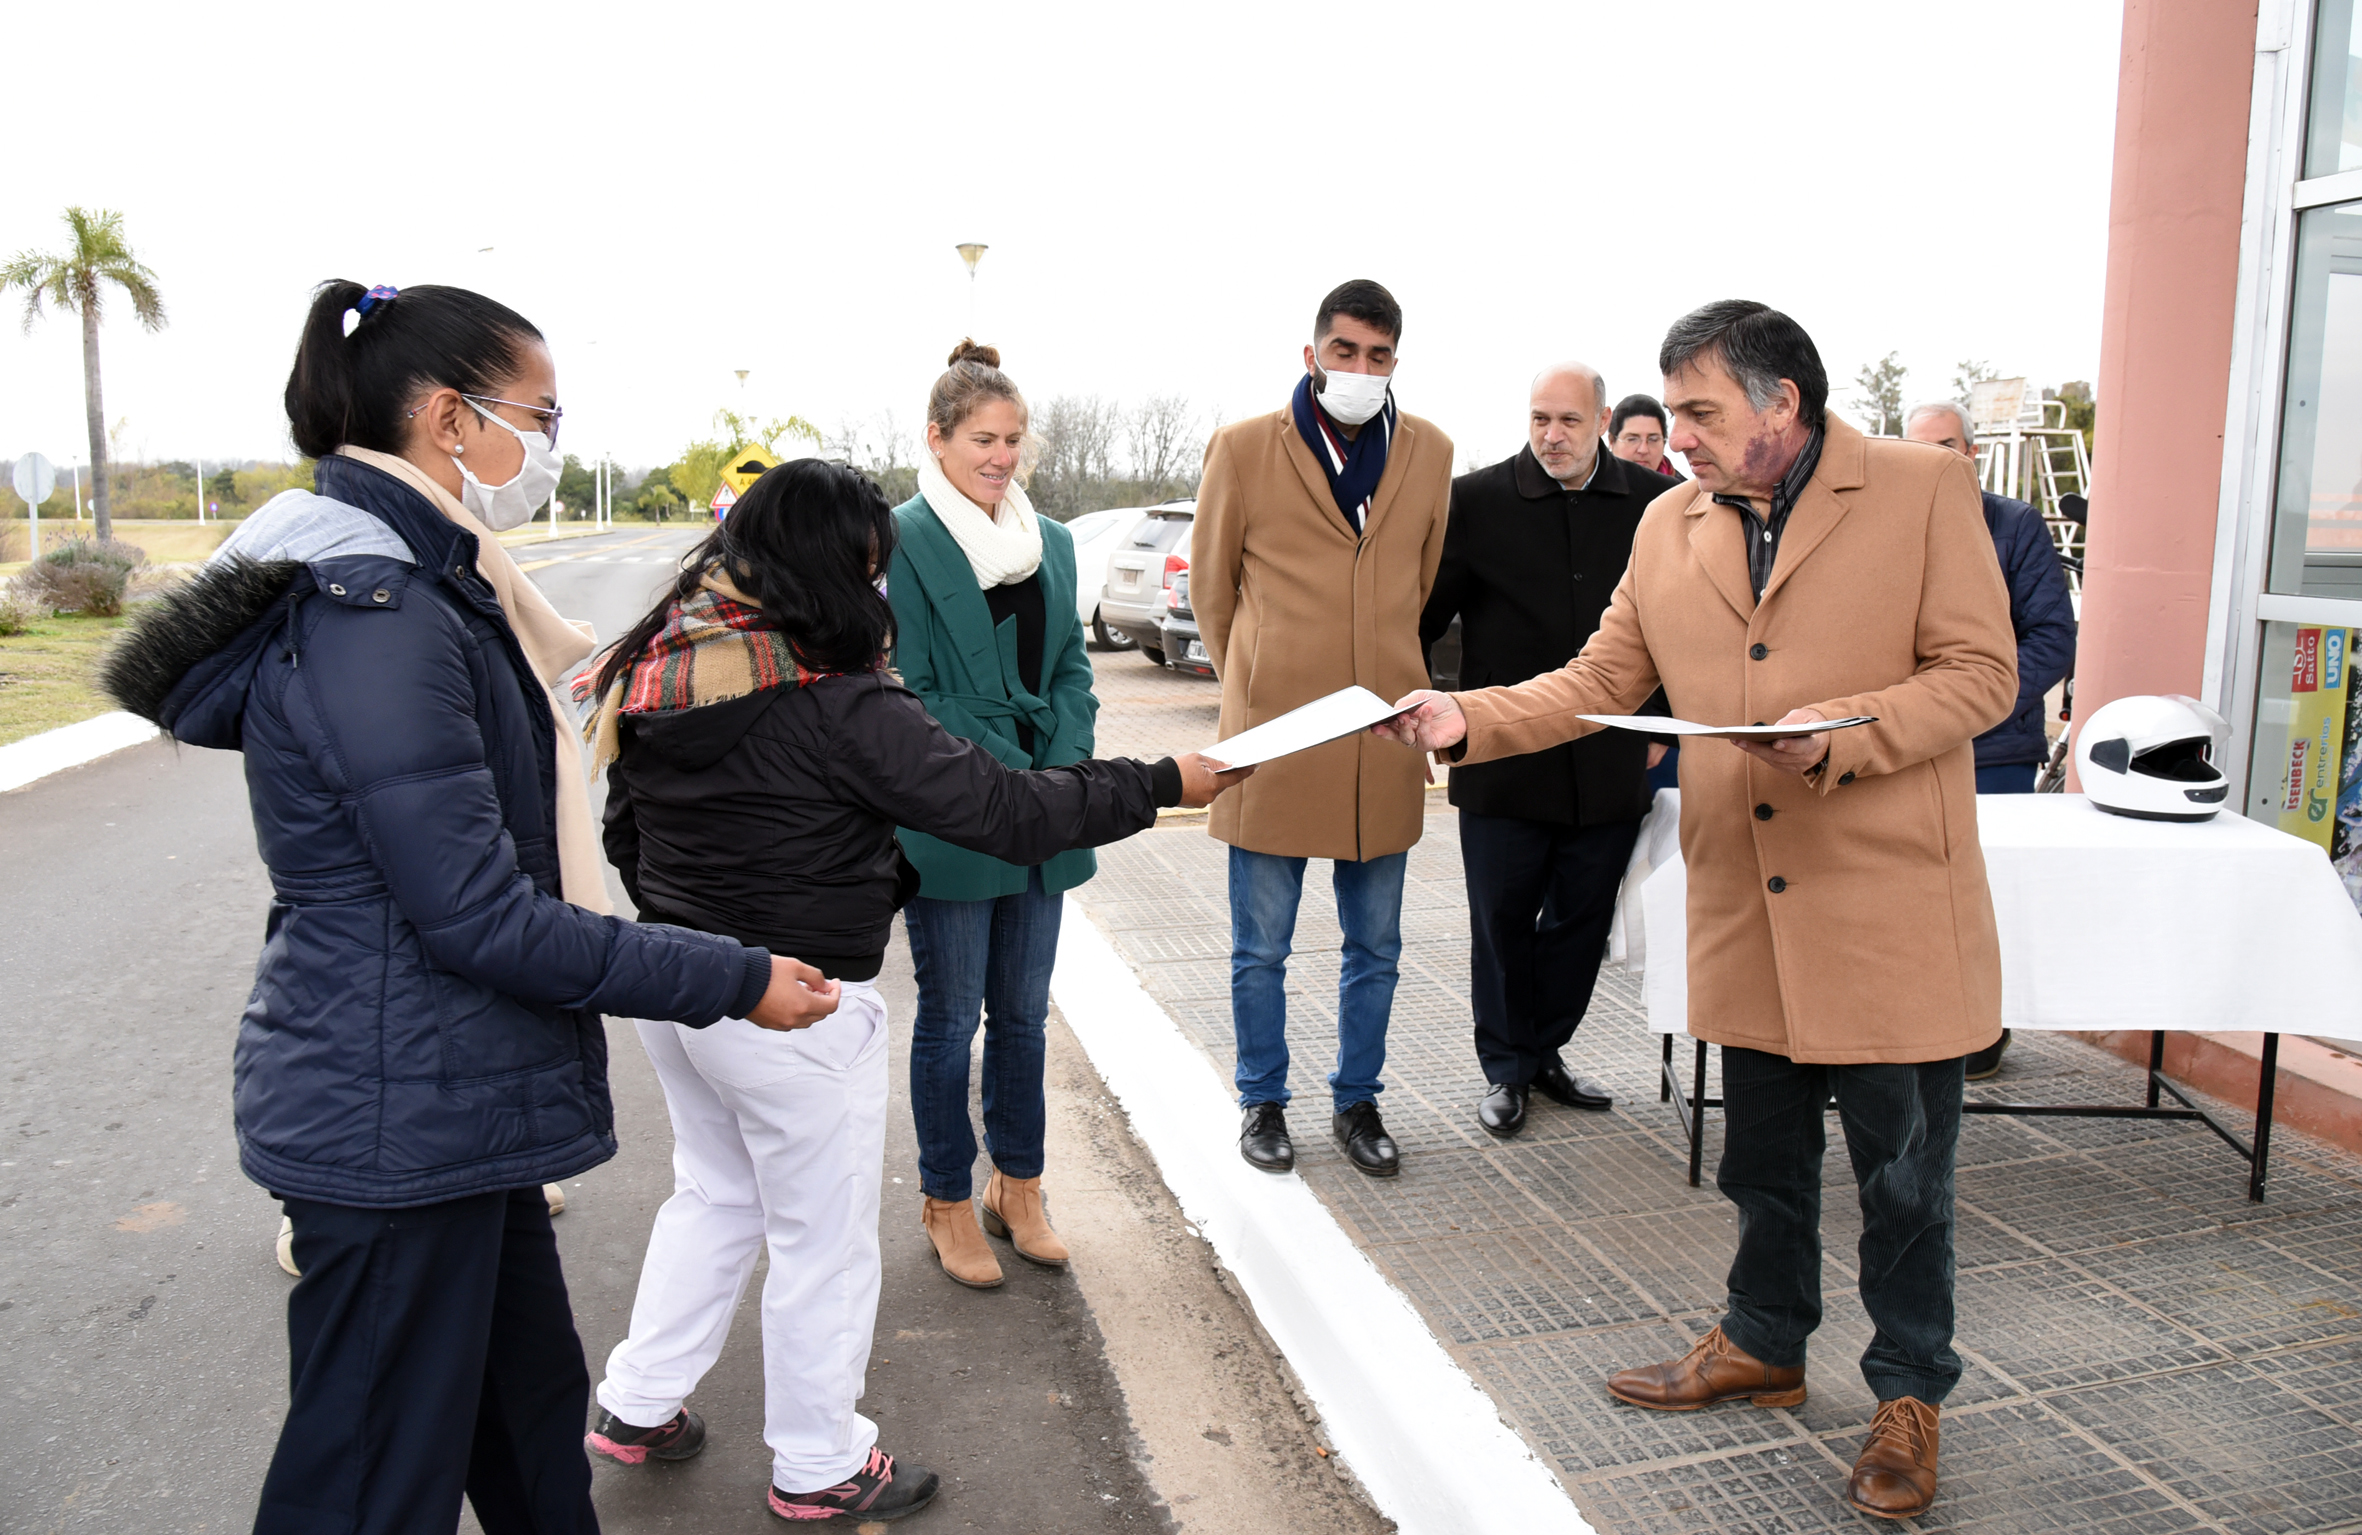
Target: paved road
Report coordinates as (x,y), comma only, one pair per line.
(141,1313)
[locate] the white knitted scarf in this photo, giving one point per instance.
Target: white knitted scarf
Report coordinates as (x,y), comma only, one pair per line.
(1000,549)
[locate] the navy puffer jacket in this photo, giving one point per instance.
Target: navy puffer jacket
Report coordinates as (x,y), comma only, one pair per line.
(2043,613)
(425,1022)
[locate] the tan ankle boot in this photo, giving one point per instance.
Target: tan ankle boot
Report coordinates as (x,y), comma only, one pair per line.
(959,1246)
(1013,1210)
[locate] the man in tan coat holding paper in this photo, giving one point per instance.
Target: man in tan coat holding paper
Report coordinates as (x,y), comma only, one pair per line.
(1841,938)
(1319,528)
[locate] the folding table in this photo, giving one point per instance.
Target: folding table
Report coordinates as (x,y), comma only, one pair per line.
(2106,923)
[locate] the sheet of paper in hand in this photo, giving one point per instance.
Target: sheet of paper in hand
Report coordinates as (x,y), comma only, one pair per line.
(1659,725)
(1342,713)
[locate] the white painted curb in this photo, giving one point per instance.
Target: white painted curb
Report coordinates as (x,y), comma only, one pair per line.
(70,746)
(1424,1439)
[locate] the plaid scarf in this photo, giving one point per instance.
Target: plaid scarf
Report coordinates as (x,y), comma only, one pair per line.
(714,646)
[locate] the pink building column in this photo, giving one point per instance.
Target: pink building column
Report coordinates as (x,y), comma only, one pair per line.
(2184,80)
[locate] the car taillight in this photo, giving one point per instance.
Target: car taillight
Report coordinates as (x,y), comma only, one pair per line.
(1174,565)
(1172,597)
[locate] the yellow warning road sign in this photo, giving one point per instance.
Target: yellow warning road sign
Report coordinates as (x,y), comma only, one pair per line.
(745,467)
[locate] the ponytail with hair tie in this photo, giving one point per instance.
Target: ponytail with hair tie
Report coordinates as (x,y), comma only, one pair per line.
(349,388)
(381,294)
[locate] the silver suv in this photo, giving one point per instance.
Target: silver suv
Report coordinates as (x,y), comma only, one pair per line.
(1140,573)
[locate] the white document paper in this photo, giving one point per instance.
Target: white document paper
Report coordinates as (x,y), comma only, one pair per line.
(1323,720)
(1659,725)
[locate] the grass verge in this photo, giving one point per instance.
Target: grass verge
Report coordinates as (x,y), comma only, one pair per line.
(166,542)
(48,675)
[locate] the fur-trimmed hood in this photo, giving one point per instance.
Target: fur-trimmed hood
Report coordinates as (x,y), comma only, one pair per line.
(200,621)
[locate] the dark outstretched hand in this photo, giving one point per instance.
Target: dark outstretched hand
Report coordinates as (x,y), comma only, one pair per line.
(1203,779)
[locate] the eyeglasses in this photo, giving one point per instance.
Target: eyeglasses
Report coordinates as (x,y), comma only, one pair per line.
(550,414)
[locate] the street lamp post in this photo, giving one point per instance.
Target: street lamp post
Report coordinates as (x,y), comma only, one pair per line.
(972,252)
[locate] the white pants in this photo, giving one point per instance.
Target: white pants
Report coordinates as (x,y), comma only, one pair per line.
(777,1137)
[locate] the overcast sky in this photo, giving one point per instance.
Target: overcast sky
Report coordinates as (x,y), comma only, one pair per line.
(676,191)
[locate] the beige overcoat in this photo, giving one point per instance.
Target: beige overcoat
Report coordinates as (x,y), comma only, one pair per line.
(1293,606)
(1842,916)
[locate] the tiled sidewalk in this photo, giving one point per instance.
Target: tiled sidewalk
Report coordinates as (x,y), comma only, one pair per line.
(2148,1351)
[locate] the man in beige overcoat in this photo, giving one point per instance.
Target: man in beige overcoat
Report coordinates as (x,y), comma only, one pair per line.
(1319,528)
(1841,937)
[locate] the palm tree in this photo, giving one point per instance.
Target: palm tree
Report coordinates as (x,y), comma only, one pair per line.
(75,280)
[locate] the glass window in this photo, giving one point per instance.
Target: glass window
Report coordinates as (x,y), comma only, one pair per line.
(1160,532)
(2317,530)
(2306,776)
(2333,138)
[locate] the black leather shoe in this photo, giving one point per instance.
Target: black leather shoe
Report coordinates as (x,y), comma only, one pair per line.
(1559,1085)
(1366,1143)
(1503,1111)
(1263,1139)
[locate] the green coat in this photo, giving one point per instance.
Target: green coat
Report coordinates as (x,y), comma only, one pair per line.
(965,672)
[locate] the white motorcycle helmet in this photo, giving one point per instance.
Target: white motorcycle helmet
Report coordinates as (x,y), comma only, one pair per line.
(2153,758)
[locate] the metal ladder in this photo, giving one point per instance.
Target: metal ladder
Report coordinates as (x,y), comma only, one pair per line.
(2037,457)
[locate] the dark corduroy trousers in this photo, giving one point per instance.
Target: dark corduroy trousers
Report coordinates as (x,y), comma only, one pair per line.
(432,1355)
(1902,1130)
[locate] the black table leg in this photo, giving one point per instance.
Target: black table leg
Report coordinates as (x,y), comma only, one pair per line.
(2156,1062)
(2257,1161)
(1697,1121)
(1665,1077)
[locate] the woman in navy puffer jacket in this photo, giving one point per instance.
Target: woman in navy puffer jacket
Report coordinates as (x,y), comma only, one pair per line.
(423,1048)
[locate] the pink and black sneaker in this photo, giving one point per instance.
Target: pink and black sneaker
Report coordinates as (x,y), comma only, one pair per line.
(879,1490)
(678,1439)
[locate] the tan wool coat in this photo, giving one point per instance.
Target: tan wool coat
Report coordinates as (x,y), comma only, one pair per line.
(1294,606)
(1887,599)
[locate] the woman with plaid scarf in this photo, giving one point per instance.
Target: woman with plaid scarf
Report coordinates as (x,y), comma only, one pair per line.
(758,759)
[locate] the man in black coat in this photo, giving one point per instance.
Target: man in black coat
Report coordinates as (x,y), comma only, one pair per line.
(1534,549)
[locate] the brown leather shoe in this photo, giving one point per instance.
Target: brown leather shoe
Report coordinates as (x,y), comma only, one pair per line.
(1717,1370)
(959,1246)
(1012,1210)
(1895,1478)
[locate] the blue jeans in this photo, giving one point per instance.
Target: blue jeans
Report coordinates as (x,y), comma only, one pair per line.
(1265,890)
(991,958)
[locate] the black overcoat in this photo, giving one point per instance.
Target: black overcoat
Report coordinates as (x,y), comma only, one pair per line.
(1528,567)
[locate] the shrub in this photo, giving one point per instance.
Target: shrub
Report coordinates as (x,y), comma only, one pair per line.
(17,610)
(83,575)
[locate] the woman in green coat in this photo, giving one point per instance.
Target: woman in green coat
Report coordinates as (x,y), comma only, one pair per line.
(986,635)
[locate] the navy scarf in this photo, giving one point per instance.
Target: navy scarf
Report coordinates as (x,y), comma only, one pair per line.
(1354,468)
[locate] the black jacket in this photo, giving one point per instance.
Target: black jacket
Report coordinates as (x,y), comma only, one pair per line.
(1528,566)
(775,813)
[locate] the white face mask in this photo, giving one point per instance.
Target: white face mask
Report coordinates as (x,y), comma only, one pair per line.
(501,507)
(1354,397)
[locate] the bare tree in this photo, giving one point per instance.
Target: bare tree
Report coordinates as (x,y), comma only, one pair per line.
(879,448)
(1166,447)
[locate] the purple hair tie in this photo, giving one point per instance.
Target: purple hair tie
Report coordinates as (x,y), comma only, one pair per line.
(381,294)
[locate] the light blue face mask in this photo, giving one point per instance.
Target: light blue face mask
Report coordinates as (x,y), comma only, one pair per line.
(512,505)
(1353,397)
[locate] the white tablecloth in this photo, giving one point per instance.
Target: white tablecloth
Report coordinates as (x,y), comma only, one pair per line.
(2106,922)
